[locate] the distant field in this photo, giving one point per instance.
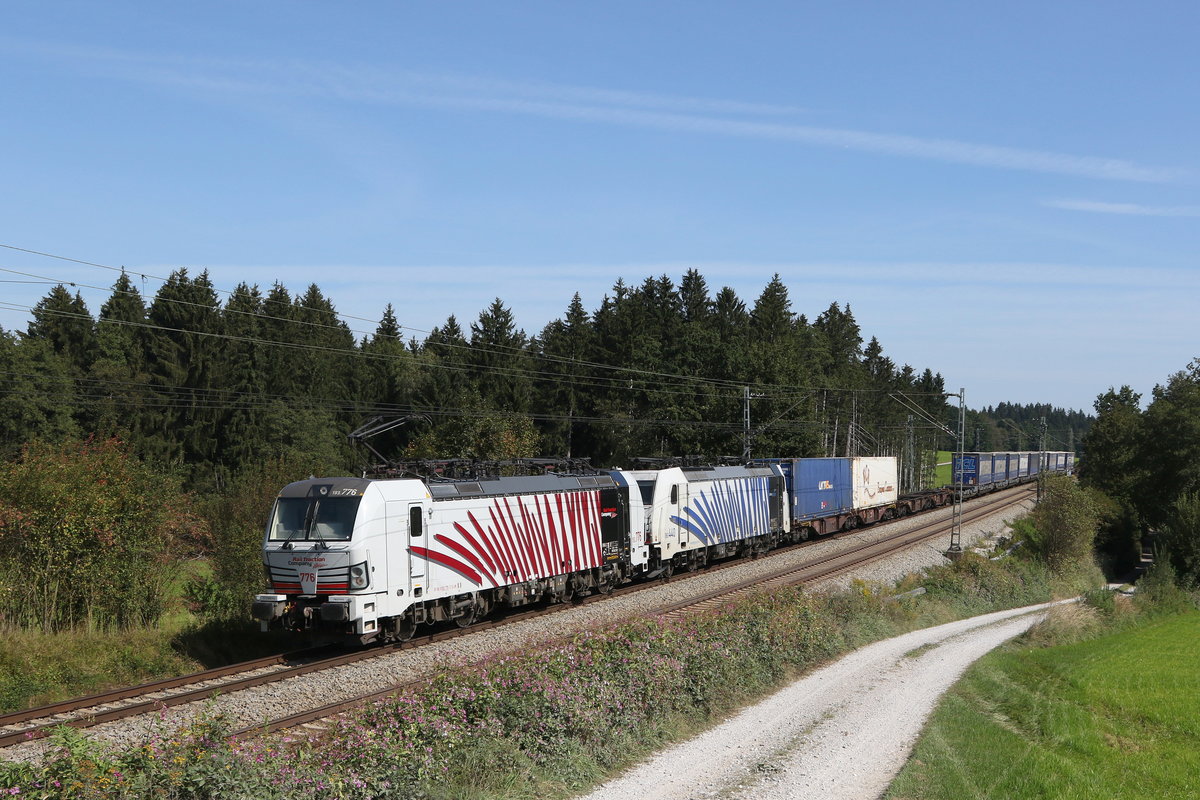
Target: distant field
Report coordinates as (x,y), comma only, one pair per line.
(1115,717)
(943,475)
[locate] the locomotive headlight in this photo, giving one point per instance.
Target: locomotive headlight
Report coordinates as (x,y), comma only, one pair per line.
(359,577)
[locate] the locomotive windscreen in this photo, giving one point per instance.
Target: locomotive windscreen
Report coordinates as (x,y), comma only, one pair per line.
(329,519)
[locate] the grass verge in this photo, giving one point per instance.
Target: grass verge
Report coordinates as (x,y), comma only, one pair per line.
(39,668)
(1092,703)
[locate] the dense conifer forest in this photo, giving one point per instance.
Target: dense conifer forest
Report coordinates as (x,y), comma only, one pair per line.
(192,407)
(212,384)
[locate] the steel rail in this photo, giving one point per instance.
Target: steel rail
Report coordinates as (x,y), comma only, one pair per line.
(54,710)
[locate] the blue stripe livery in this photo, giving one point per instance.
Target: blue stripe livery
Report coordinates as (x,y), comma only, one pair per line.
(727,511)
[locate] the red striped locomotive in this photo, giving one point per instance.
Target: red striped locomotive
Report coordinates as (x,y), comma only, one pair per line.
(374,559)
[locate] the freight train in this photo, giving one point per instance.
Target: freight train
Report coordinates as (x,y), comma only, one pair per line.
(362,559)
(981,472)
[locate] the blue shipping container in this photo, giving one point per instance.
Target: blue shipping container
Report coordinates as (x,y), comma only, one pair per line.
(968,465)
(819,487)
(1010,462)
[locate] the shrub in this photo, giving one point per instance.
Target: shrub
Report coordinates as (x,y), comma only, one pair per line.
(1102,599)
(1064,624)
(1064,524)
(237,517)
(1181,538)
(89,535)
(1158,591)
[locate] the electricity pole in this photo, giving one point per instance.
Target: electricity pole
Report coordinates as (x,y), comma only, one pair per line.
(955,549)
(1041,458)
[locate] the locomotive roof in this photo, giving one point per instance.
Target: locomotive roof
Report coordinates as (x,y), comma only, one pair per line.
(452,489)
(526,484)
(322,487)
(720,473)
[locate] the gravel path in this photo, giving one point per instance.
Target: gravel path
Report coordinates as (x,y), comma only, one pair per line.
(843,731)
(251,707)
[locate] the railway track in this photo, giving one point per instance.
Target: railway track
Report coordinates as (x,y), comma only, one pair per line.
(23,726)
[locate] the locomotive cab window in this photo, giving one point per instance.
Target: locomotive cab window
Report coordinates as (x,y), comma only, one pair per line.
(329,519)
(414,521)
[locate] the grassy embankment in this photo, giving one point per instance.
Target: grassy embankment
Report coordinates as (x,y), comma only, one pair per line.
(551,721)
(1114,715)
(38,668)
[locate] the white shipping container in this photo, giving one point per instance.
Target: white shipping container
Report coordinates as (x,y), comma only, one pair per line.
(875,482)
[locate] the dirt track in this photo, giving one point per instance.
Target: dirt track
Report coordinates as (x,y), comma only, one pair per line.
(842,732)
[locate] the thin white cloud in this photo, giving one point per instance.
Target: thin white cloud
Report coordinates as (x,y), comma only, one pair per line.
(802,278)
(1128,209)
(370,84)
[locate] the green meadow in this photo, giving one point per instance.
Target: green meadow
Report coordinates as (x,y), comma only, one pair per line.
(1114,716)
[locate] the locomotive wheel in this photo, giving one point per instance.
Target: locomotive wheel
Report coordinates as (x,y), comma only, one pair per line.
(605,584)
(467,619)
(405,629)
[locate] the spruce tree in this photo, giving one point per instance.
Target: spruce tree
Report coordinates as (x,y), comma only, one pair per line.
(563,388)
(64,322)
(499,360)
(181,355)
(37,394)
(120,365)
(242,431)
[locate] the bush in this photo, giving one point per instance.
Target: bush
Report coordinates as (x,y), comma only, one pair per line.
(974,584)
(238,517)
(1102,599)
(89,536)
(1064,526)
(1159,592)
(1181,538)
(1065,624)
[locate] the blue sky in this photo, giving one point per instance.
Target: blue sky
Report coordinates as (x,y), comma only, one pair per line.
(1006,193)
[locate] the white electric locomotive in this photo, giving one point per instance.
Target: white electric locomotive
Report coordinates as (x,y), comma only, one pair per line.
(694,515)
(372,559)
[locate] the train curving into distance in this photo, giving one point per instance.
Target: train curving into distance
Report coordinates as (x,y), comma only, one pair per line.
(364,559)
